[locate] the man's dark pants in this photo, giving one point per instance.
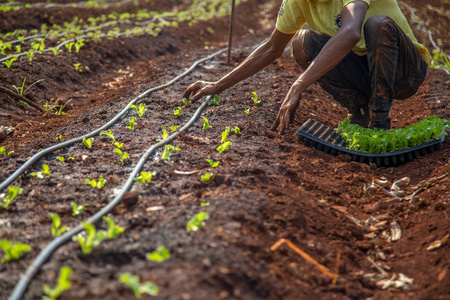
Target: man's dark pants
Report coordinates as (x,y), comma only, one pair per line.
(366,85)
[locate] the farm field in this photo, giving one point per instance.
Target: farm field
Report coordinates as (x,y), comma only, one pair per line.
(266,187)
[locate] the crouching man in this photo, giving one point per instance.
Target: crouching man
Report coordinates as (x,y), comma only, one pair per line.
(361,52)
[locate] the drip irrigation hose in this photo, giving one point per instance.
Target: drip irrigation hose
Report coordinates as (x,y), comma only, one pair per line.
(68,143)
(43,256)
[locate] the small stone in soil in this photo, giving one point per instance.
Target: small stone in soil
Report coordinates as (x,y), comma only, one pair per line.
(130,199)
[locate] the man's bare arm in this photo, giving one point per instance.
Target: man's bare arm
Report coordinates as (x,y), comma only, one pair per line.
(331,54)
(256,61)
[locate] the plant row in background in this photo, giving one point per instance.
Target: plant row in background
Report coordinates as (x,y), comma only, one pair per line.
(383,141)
(72,35)
(13,5)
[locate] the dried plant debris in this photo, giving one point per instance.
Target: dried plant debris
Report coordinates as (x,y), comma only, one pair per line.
(437,244)
(403,282)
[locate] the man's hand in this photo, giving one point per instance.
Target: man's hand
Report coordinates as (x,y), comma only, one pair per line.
(286,114)
(200,89)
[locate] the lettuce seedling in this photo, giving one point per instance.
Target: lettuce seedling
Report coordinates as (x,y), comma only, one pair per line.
(236,130)
(216,100)
(224,146)
(167,151)
(133,282)
(55,50)
(197,222)
(57,229)
(204,204)
(78,67)
(40,174)
(60,158)
(13,250)
(91,239)
(13,192)
(88,142)
(77,210)
(3,151)
(113,229)
(206,177)
(95,184)
(160,254)
(205,123)
(212,163)
(9,62)
(174,128)
(63,284)
(109,134)
(132,120)
(185,101)
(247,111)
(146,177)
(141,110)
(58,137)
(69,46)
(165,134)
(177,112)
(225,134)
(123,155)
(255,98)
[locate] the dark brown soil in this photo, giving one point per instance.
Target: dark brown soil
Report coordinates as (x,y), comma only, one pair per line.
(266,187)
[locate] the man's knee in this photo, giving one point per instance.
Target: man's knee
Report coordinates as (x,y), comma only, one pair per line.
(376,23)
(297,47)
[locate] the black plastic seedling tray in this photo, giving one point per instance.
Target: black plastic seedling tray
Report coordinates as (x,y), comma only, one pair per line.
(322,137)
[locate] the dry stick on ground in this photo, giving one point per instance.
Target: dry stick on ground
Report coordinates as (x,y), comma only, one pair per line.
(22,98)
(306,256)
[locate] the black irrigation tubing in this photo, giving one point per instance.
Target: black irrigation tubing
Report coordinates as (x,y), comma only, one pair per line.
(44,255)
(68,143)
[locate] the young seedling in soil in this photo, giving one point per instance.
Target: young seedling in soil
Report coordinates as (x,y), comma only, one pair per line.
(63,284)
(141,110)
(133,282)
(40,174)
(132,120)
(13,192)
(88,142)
(205,123)
(13,250)
(22,90)
(236,130)
(55,50)
(216,100)
(110,134)
(78,67)
(123,155)
(247,111)
(165,134)
(185,101)
(177,112)
(167,151)
(197,222)
(57,229)
(78,45)
(119,145)
(255,98)
(9,62)
(60,158)
(69,46)
(146,177)
(77,210)
(212,163)
(93,238)
(174,128)
(206,177)
(160,254)
(224,146)
(3,151)
(204,204)
(95,184)
(225,134)
(58,137)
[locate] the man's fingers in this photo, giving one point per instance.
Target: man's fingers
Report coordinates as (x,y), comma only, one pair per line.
(193,89)
(276,123)
(285,122)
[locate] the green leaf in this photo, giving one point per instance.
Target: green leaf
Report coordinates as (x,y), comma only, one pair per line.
(160,254)
(224,146)
(88,142)
(225,134)
(212,163)
(197,222)
(247,111)
(13,250)
(205,123)
(77,210)
(255,98)
(138,289)
(63,284)
(56,225)
(177,112)
(206,177)
(236,130)
(216,100)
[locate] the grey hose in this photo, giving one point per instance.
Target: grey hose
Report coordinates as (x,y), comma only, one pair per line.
(22,285)
(48,150)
